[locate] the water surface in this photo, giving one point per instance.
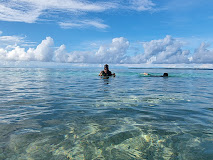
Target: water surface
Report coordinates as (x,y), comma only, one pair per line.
(72,113)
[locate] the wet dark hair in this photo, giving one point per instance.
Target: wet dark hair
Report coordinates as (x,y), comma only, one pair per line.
(165,75)
(106,66)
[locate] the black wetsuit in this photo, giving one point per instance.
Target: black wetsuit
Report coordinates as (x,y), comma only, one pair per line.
(109,73)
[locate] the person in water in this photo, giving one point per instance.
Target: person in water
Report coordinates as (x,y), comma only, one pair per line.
(164,75)
(106,71)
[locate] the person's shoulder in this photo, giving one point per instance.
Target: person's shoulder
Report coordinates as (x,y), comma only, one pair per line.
(109,73)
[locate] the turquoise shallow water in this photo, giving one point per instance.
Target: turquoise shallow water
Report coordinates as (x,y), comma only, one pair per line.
(72,113)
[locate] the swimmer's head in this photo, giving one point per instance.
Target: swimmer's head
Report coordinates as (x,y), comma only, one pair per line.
(165,75)
(106,67)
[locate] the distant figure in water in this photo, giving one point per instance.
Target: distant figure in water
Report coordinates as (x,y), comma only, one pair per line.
(106,71)
(164,75)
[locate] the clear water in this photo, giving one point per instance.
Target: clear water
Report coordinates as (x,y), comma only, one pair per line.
(72,113)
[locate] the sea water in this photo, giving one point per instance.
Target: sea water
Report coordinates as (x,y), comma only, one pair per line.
(72,113)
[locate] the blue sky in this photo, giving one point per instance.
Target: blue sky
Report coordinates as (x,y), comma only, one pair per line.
(113,31)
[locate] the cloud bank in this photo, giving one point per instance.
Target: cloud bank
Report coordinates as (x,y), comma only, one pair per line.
(167,50)
(163,51)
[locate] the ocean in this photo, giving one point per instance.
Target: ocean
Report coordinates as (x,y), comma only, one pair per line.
(72,113)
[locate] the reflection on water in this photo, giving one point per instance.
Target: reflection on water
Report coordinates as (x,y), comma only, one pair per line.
(75,114)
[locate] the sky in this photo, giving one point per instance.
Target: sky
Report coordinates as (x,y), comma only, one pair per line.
(113,31)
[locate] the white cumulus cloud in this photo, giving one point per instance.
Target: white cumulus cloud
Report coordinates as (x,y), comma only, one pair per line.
(43,52)
(113,53)
(202,54)
(163,51)
(46,51)
(167,50)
